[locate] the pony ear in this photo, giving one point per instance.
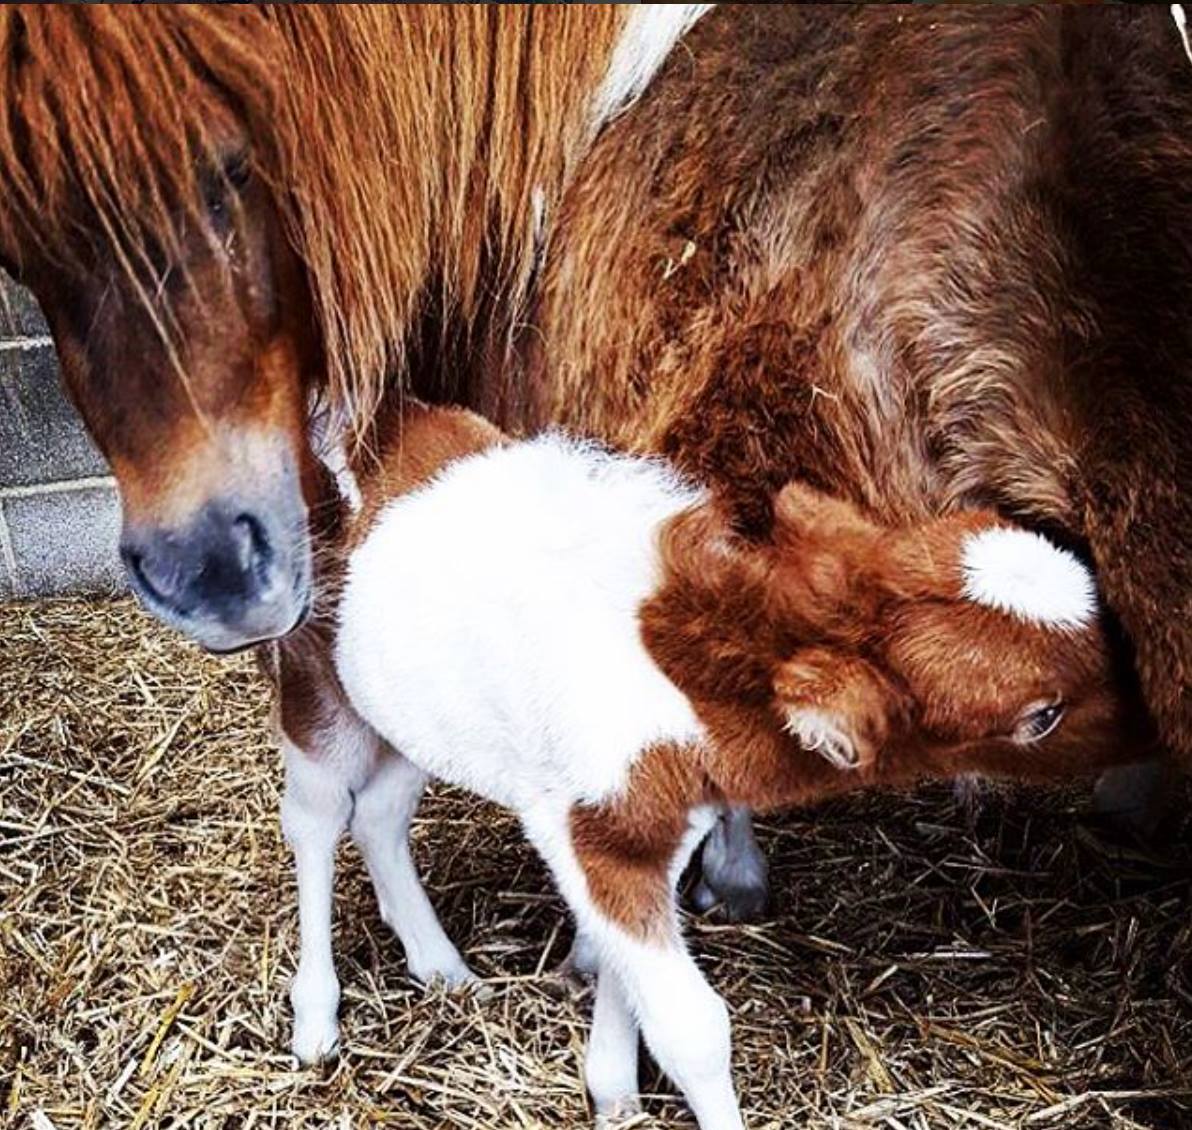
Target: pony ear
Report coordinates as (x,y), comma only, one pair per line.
(836,705)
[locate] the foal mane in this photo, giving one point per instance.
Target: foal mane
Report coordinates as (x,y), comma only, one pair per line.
(411,149)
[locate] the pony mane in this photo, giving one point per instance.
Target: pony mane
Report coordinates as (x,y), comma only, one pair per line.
(412,149)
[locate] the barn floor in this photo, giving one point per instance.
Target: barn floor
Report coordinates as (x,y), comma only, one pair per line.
(923,969)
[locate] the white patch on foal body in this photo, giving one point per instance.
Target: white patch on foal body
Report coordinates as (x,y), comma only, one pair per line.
(649,34)
(489,622)
(1024,574)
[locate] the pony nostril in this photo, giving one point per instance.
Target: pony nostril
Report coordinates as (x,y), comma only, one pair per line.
(134,562)
(253,551)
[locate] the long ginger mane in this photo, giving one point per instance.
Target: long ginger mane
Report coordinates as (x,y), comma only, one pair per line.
(410,148)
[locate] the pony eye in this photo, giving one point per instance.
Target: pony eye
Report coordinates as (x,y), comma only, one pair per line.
(1038,721)
(219,186)
(236,170)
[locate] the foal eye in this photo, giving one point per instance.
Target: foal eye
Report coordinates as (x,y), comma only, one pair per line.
(1039,721)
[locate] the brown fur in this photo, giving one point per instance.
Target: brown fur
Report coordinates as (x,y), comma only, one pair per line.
(921,258)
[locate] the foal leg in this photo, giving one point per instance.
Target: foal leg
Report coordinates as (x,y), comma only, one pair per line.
(734,869)
(314,812)
(381,828)
(610,1065)
(684,1022)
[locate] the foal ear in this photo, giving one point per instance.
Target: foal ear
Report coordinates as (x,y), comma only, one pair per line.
(803,513)
(825,546)
(836,705)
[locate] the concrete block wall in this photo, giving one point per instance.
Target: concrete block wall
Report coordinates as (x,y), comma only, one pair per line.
(59,513)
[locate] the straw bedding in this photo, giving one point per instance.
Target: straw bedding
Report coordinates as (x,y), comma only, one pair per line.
(923,967)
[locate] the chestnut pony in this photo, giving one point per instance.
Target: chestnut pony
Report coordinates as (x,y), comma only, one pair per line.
(922,258)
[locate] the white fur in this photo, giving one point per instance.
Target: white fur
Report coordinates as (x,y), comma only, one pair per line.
(489,629)
(489,623)
(683,1021)
(1024,574)
(328,432)
(649,34)
(1181,25)
(822,733)
(353,779)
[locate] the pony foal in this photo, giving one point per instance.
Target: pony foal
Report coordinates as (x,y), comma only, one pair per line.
(583,638)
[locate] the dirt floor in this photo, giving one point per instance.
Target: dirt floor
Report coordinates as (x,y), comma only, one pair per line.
(922,967)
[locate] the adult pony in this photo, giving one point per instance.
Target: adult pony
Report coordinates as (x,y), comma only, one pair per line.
(922,258)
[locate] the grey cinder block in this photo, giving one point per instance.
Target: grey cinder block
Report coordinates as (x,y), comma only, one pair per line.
(64,541)
(20,315)
(42,439)
(59,521)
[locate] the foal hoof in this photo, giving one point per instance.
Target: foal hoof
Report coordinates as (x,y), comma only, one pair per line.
(452,976)
(1134,800)
(738,904)
(315,1041)
(582,964)
(617,1113)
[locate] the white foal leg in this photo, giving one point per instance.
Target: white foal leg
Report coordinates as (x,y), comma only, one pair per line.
(734,869)
(610,1066)
(684,1022)
(314,813)
(381,829)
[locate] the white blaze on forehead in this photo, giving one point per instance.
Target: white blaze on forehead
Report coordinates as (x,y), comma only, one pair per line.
(1024,574)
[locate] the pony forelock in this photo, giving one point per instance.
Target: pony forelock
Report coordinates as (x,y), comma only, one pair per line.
(409,148)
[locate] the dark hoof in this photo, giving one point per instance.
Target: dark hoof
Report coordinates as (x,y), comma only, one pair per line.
(1135,800)
(736,904)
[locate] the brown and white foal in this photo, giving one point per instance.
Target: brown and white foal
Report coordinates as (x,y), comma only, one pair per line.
(581,636)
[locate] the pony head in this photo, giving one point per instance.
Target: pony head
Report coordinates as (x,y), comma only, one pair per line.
(138,213)
(227,211)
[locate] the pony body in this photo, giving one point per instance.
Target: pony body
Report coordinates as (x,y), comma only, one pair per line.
(806,245)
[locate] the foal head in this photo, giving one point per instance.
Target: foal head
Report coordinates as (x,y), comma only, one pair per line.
(136,213)
(963,645)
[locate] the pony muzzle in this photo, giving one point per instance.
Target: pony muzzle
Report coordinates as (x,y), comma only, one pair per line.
(235,575)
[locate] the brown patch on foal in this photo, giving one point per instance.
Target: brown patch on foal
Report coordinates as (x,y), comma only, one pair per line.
(416,442)
(626,845)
